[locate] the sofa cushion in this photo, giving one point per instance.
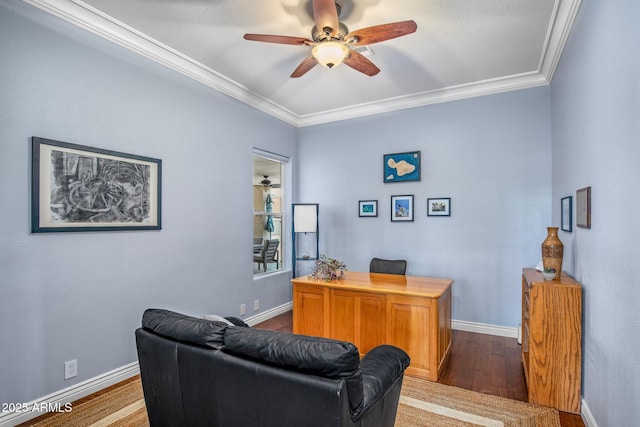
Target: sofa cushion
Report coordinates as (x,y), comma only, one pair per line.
(310,355)
(179,327)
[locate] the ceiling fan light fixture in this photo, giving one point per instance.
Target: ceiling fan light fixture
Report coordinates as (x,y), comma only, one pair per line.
(266,182)
(330,53)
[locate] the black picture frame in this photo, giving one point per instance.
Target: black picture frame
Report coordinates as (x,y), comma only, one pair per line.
(367,208)
(440,206)
(402,208)
(78,188)
(566,214)
(401,167)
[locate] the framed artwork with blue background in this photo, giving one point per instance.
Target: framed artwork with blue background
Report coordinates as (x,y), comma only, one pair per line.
(401,167)
(368,208)
(402,208)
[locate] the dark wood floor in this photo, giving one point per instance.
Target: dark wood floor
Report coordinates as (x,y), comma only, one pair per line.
(478,362)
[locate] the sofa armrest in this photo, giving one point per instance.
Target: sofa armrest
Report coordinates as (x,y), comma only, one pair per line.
(380,368)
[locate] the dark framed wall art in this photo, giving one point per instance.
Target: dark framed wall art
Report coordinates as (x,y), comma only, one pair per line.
(583,207)
(439,207)
(401,167)
(566,212)
(402,208)
(368,208)
(80,188)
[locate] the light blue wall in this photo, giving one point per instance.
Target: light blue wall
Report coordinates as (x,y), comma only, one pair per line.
(596,142)
(65,296)
(490,155)
(81,295)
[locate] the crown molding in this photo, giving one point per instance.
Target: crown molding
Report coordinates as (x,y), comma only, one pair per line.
(557,35)
(453,93)
(88,18)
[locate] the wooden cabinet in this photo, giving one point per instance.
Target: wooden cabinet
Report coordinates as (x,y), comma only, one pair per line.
(413,313)
(312,304)
(552,339)
(358,317)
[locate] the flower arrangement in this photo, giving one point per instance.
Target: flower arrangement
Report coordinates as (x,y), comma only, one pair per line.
(327,269)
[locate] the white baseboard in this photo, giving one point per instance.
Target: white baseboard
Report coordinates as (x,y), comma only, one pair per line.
(586,415)
(460,325)
(58,399)
(483,328)
(268,314)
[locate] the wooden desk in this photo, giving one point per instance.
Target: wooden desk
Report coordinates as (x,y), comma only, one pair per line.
(369,309)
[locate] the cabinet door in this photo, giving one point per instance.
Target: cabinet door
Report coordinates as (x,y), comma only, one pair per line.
(309,307)
(410,326)
(358,317)
(555,346)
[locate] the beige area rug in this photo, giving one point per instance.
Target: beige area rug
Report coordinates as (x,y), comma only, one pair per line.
(422,403)
(425,403)
(120,406)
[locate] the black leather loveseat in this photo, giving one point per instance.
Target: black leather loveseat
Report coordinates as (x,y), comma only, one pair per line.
(197,372)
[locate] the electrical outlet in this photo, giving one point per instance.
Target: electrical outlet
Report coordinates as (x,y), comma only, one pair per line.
(70,369)
(243,309)
(256,305)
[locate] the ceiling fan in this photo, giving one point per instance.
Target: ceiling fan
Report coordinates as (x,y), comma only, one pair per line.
(266,183)
(331,40)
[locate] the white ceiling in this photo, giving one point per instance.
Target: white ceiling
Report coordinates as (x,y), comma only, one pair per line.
(462,48)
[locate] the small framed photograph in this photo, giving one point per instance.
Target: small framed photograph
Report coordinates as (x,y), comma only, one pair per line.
(439,207)
(402,208)
(566,210)
(368,208)
(583,207)
(80,188)
(401,167)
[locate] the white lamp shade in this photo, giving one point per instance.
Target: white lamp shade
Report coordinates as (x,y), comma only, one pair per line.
(305,219)
(330,53)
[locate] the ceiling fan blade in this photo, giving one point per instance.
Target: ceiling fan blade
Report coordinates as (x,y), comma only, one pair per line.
(304,66)
(325,15)
(359,62)
(380,33)
(300,41)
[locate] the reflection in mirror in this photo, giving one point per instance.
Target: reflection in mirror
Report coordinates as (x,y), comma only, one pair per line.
(268,245)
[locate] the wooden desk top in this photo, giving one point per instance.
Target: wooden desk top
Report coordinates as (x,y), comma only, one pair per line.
(431,287)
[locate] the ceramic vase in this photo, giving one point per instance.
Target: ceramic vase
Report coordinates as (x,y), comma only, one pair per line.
(552,251)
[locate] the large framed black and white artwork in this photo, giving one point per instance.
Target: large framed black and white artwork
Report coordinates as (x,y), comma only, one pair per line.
(80,188)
